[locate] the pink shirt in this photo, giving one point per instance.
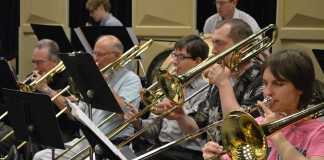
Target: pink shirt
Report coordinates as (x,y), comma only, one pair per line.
(306,136)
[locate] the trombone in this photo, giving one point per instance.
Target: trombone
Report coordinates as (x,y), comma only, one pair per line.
(33,85)
(146,127)
(132,53)
(172,85)
(254,135)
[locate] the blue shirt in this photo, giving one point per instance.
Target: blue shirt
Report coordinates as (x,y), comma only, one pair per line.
(110,20)
(126,85)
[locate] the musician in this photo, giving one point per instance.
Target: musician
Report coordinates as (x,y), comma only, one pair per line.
(288,77)
(246,82)
(188,52)
(125,86)
(226,9)
(100,12)
(44,58)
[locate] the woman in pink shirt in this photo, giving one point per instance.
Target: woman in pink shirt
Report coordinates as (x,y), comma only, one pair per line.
(288,77)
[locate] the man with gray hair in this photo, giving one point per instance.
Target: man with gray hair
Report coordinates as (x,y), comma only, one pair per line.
(125,86)
(44,58)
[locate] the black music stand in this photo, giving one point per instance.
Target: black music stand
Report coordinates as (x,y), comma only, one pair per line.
(55,33)
(90,82)
(8,80)
(33,118)
(124,34)
(319,54)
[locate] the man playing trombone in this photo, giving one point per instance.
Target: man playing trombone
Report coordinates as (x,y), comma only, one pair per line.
(45,58)
(188,52)
(125,86)
(246,80)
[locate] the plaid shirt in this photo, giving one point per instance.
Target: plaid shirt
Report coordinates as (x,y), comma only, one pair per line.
(248,90)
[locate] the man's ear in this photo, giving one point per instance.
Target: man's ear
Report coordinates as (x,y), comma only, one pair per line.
(198,60)
(117,54)
(101,7)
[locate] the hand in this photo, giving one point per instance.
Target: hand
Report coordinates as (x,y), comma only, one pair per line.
(211,149)
(269,116)
(136,122)
(73,99)
(88,24)
(217,74)
(105,75)
(41,87)
(175,114)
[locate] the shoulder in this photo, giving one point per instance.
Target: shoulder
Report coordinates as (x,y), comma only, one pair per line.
(128,75)
(249,19)
(212,18)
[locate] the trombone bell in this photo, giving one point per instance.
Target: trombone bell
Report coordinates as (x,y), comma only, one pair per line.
(242,137)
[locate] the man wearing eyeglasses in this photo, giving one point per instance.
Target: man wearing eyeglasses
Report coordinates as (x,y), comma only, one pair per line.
(44,58)
(226,9)
(125,86)
(100,12)
(188,52)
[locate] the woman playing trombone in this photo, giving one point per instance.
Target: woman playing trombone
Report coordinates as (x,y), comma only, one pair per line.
(288,77)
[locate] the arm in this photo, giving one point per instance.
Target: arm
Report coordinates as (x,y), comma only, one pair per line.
(219,76)
(284,147)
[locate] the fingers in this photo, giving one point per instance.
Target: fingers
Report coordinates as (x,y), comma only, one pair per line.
(264,108)
(205,73)
(211,148)
(164,107)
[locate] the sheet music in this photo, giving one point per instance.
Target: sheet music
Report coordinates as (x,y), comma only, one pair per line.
(78,114)
(83,40)
(132,35)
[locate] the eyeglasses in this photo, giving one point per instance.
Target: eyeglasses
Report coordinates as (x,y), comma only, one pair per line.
(38,62)
(221,3)
(179,57)
(98,54)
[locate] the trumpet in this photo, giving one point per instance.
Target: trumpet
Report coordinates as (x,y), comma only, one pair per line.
(172,85)
(244,124)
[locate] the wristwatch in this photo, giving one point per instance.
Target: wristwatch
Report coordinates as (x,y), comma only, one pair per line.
(48,91)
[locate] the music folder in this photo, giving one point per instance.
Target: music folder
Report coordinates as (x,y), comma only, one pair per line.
(90,82)
(53,32)
(32,116)
(8,80)
(319,54)
(88,35)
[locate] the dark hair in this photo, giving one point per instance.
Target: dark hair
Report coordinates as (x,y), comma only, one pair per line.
(239,29)
(294,66)
(53,48)
(94,4)
(194,45)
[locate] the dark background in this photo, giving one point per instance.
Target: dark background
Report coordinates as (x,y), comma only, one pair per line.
(263,11)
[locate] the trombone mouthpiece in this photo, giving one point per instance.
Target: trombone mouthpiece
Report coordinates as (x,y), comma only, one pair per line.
(267,101)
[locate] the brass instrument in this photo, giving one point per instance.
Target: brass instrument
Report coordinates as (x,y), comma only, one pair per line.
(247,133)
(172,85)
(241,133)
(150,100)
(132,53)
(48,76)
(146,127)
